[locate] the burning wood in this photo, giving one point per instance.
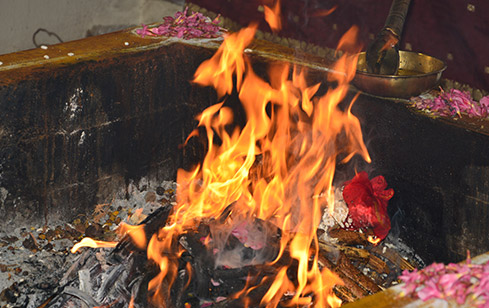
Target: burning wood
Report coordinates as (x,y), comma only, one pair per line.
(124,273)
(347,237)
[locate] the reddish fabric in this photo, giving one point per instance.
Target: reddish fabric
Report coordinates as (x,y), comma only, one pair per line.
(455,31)
(367,202)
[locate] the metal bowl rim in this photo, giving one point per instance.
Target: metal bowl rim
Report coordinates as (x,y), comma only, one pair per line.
(361,72)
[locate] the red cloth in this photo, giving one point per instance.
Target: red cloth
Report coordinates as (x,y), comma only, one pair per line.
(367,202)
(455,31)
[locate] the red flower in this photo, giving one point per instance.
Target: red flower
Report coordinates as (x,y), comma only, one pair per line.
(367,202)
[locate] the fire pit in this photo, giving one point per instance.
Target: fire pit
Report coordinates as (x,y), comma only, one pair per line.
(110,107)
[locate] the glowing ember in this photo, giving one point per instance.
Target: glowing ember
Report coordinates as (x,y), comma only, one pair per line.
(373,239)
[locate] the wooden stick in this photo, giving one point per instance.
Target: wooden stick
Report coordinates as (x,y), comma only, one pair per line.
(358,254)
(347,237)
(353,287)
(378,265)
(394,257)
(352,272)
(344,294)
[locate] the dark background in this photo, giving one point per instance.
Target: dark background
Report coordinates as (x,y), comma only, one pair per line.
(455,31)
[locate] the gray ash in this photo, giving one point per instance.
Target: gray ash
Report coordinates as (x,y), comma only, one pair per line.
(35,259)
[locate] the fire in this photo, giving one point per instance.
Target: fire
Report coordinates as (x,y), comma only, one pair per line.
(273,172)
(373,239)
(136,233)
(88,242)
(269,169)
(272,16)
(322,13)
(391,41)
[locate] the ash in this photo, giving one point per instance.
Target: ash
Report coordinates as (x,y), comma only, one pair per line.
(36,262)
(37,269)
(119,277)
(27,274)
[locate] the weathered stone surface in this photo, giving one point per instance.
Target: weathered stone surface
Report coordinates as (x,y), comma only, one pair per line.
(73,134)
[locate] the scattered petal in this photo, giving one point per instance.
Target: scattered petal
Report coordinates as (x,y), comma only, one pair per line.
(184,26)
(452,103)
(465,283)
(215,283)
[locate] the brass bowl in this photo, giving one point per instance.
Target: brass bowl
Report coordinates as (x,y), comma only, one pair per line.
(417,74)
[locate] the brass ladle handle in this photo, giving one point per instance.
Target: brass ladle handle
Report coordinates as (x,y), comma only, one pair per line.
(383,52)
(397,16)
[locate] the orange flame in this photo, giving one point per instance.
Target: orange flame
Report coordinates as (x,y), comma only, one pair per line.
(373,239)
(226,61)
(272,169)
(296,134)
(137,234)
(322,13)
(391,41)
(131,303)
(88,242)
(272,16)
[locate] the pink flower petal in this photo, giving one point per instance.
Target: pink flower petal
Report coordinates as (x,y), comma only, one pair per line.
(466,283)
(183,26)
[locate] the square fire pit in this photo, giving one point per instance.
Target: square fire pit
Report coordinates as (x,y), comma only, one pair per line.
(100,113)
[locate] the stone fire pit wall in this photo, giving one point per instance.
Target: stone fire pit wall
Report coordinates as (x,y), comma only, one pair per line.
(76,128)
(440,173)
